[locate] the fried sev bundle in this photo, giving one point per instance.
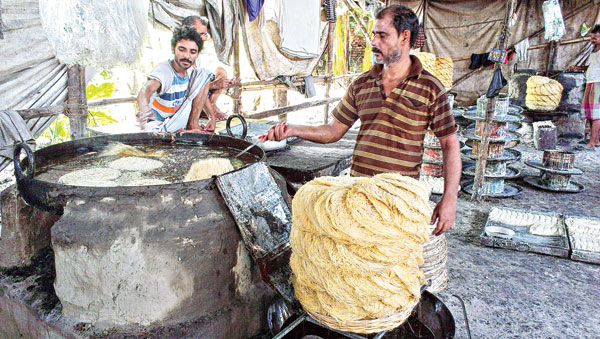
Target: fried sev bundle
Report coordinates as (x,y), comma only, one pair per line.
(357,244)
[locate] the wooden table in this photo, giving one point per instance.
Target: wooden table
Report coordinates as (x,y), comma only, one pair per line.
(306,160)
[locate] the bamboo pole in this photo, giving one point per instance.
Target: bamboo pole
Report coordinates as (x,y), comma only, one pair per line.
(76,102)
(41,112)
(491,107)
(361,25)
(268,84)
(329,69)
(111,101)
(237,91)
(282,101)
(549,60)
(292,108)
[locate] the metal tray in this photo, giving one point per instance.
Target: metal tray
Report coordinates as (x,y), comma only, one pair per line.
(497,234)
(577,253)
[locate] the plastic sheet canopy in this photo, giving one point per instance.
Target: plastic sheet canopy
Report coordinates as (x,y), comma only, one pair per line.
(101,34)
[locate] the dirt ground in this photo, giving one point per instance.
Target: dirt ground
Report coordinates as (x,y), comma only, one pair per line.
(511,294)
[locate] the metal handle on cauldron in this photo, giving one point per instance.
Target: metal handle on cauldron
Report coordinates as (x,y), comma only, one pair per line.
(17,161)
(464,308)
(244,126)
(27,190)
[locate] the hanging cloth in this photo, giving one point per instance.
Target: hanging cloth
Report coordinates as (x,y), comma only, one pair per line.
(554,25)
(367,63)
(339,60)
(421,38)
(300,28)
(253,7)
(521,49)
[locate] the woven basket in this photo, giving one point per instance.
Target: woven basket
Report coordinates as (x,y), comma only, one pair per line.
(435,255)
(366,326)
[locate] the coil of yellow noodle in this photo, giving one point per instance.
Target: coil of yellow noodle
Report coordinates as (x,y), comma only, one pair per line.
(542,93)
(357,245)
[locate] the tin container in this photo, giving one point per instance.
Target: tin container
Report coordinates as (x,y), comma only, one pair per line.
(501,109)
(432,154)
(492,186)
(496,149)
(431,140)
(498,128)
(558,160)
(554,180)
(432,170)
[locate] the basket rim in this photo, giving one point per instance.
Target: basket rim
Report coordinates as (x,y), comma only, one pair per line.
(367,325)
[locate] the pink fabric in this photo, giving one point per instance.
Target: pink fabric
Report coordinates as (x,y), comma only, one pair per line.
(590,108)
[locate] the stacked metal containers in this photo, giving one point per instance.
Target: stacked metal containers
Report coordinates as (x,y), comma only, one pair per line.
(500,152)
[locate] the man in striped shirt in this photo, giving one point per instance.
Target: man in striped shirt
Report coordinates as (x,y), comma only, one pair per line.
(396,102)
(174,95)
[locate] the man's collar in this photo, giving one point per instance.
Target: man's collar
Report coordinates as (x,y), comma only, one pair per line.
(416,68)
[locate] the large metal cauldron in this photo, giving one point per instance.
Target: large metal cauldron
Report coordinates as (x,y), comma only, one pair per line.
(51,197)
(158,255)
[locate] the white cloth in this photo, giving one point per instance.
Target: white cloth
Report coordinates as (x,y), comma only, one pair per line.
(593,71)
(300,28)
(521,49)
(198,79)
(553,21)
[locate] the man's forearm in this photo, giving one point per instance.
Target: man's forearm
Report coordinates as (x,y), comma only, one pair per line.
(323,134)
(143,102)
(452,169)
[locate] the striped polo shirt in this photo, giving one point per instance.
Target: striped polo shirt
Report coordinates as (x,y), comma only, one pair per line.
(392,128)
(172,92)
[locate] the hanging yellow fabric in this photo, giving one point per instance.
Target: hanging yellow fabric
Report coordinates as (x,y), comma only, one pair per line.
(339,61)
(366,61)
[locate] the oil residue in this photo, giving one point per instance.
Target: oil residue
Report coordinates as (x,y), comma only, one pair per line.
(176,160)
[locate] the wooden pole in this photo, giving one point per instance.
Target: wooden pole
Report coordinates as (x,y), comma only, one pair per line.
(76,102)
(491,107)
(329,68)
(268,84)
(41,112)
(292,108)
(282,101)
(551,57)
(111,101)
(237,91)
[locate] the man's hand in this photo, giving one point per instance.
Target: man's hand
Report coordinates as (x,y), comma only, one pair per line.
(444,212)
(143,117)
(278,132)
(220,83)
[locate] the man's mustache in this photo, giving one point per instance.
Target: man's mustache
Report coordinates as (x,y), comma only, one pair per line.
(376,50)
(181,60)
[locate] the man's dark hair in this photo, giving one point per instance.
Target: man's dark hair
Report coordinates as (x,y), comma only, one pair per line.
(403,18)
(596,29)
(186,33)
(190,20)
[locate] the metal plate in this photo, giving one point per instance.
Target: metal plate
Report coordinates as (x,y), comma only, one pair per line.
(572,188)
(509,191)
(538,165)
(254,130)
(510,155)
(511,172)
(509,117)
(524,241)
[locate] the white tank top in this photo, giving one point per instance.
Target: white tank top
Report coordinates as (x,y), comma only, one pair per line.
(593,71)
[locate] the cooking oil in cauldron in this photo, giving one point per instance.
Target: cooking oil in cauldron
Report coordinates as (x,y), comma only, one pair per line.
(176,161)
